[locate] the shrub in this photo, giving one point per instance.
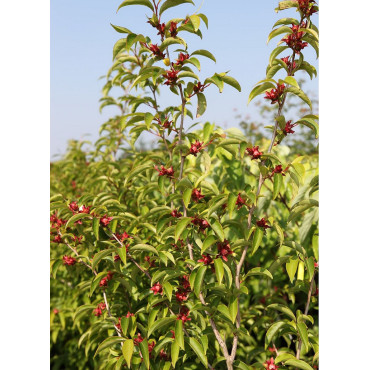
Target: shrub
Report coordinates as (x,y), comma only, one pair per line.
(201,252)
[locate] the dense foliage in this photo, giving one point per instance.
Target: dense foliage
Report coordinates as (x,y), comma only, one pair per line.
(203,252)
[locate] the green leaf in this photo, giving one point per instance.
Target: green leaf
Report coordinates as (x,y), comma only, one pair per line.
(298,92)
(217,228)
(77,217)
(55,266)
(280,232)
(167,287)
(298,364)
(188,74)
(127,351)
(310,267)
(136,170)
(170,41)
(272,331)
(233,308)
(122,254)
(282,308)
(310,123)
(145,352)
(179,334)
(259,271)
(99,256)
(144,247)
(231,81)
(194,62)
(195,21)
(159,324)
(108,343)
(283,357)
(171,3)
(259,90)
(175,349)
(216,81)
(302,330)
(137,2)
(301,207)
(95,226)
(180,227)
(277,263)
(257,239)
(300,273)
(204,53)
(286,21)
(186,196)
(292,81)
(82,309)
(291,267)
(148,118)
(208,241)
(278,31)
(198,349)
(219,267)
(118,46)
(121,29)
(241,365)
(286,5)
(276,52)
(278,181)
(199,280)
(231,202)
(202,104)
(184,183)
(224,310)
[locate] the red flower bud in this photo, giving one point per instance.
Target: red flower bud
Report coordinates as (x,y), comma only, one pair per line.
(254,152)
(198,88)
(275,94)
(181,59)
(138,339)
(67,260)
(176,213)
(73,207)
(169,172)
(262,223)
(173,29)
(196,196)
(294,39)
(240,202)
(183,315)
(171,77)
(270,364)
(104,221)
(195,148)
(224,249)
(206,260)
(156,51)
(288,128)
(157,289)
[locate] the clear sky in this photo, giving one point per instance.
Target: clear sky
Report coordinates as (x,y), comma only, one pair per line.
(81,51)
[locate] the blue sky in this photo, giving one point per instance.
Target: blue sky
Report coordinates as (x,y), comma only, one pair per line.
(81,51)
